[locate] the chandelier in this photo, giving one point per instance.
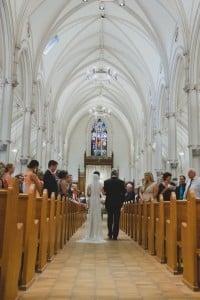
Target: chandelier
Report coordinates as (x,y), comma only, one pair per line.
(120,2)
(101,74)
(99,111)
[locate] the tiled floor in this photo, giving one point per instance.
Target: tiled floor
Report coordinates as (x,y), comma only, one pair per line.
(113,270)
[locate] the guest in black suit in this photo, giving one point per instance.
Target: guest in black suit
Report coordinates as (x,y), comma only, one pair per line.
(50,180)
(114,189)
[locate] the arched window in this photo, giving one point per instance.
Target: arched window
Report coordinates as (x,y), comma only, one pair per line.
(99,139)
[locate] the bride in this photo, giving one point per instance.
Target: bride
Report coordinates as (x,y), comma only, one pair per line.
(93,228)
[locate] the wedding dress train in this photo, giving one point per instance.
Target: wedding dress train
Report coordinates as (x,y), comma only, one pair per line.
(93,226)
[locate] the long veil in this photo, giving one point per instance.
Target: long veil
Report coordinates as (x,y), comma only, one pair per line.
(93,227)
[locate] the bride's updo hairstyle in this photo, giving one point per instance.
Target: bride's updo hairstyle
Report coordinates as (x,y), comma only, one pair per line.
(97,173)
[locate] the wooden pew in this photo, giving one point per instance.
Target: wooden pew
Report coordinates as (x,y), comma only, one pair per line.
(153,215)
(139,222)
(177,215)
(131,219)
(81,210)
(63,222)
(122,217)
(190,232)
(58,224)
(76,215)
(145,215)
(73,219)
(51,214)
(160,231)
(127,223)
(67,223)
(26,215)
(134,222)
(11,238)
(43,236)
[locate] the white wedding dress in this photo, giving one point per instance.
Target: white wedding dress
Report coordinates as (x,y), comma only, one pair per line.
(93,226)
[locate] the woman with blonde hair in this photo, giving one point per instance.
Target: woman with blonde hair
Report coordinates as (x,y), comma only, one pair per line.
(150,188)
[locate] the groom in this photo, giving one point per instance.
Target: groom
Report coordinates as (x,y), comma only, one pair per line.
(114,189)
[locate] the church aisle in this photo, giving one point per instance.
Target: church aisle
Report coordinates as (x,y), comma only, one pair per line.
(113,270)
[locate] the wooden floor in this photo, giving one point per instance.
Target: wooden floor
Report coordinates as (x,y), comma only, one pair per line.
(114,270)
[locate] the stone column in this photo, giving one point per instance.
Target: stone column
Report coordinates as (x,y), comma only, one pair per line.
(172,143)
(193,125)
(49,150)
(198,110)
(40,135)
(26,138)
(6,120)
(157,157)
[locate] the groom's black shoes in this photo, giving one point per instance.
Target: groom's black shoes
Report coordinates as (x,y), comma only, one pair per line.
(110,237)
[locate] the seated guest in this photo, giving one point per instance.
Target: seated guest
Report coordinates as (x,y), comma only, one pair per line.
(181,187)
(130,194)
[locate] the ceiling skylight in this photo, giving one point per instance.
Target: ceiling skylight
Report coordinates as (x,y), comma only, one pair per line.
(51,43)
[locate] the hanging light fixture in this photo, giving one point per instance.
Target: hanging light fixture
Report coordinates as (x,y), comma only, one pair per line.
(99,111)
(181,153)
(100,74)
(121,2)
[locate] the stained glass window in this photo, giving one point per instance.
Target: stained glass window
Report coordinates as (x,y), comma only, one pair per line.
(99,139)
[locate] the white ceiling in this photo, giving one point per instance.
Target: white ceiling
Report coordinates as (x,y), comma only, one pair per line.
(136,42)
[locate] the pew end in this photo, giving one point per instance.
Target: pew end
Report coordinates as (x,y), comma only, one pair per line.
(11,240)
(190,231)
(26,215)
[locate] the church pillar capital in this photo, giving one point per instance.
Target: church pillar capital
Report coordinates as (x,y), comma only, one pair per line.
(189,87)
(173,163)
(197,87)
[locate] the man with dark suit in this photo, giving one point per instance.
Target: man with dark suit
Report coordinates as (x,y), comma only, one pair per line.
(114,189)
(50,181)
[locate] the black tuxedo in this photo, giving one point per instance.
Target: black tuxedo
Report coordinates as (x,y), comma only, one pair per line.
(50,183)
(114,189)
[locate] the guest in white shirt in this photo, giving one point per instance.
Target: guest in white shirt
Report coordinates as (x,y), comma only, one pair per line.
(193,183)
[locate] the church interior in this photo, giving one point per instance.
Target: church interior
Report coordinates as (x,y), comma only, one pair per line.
(96,85)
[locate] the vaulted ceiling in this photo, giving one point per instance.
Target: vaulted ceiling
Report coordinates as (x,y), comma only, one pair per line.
(134,40)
